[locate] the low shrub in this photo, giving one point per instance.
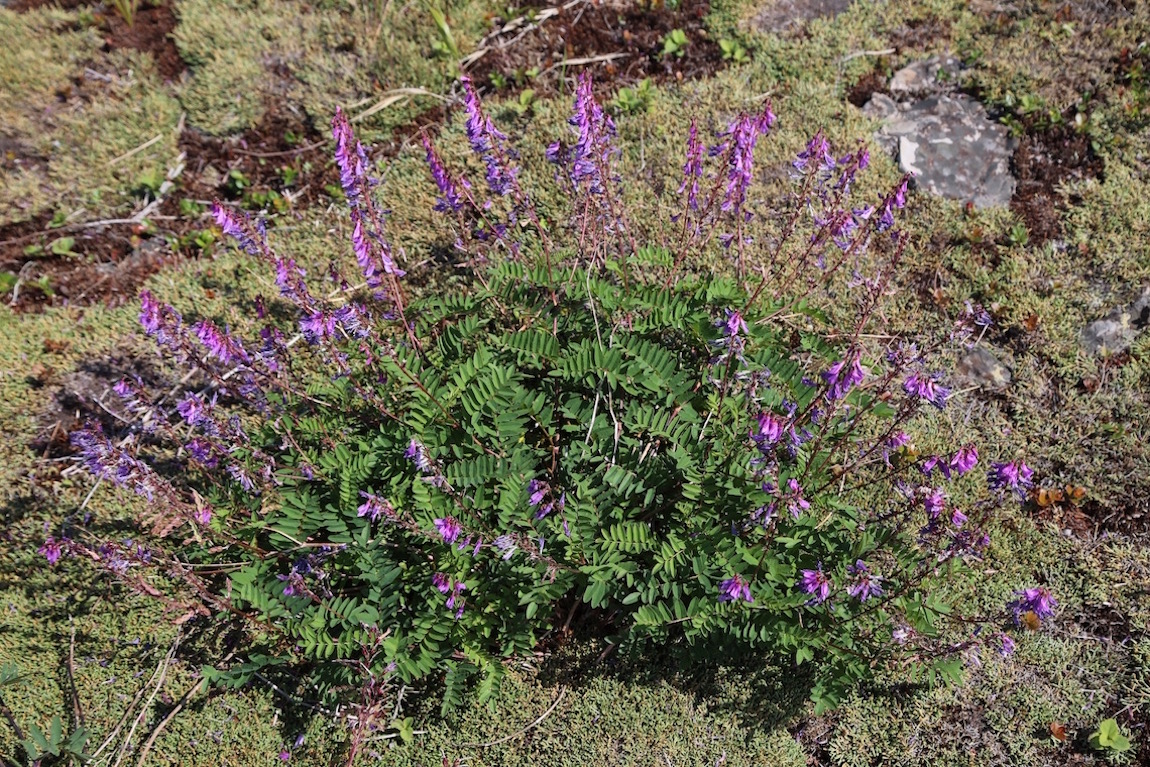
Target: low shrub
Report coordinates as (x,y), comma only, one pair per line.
(594,422)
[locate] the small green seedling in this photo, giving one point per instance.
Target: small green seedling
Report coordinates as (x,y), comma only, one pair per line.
(237,182)
(59,218)
(149,183)
(127,10)
(1018,235)
(1109,738)
(62,246)
(637,99)
(734,52)
(525,103)
(675,43)
(40,744)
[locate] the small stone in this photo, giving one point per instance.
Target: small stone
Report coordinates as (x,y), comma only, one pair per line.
(979,367)
(922,78)
(1115,332)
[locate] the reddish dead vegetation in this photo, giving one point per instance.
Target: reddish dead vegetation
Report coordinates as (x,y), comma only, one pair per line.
(1046,158)
(585,31)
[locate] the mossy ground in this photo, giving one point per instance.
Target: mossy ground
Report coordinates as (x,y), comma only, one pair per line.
(1076,418)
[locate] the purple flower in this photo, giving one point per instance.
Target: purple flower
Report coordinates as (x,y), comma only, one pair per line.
(1015,476)
(934,503)
(734,323)
(1007,645)
(592,150)
(817,155)
(203,451)
(417,454)
(195,410)
(450,199)
(456,600)
(865,584)
(375,507)
(734,589)
(203,514)
(1037,600)
(816,583)
(843,376)
(796,504)
(927,388)
(770,430)
(538,491)
(449,528)
(441,582)
(505,544)
(957,518)
(965,459)
(52,549)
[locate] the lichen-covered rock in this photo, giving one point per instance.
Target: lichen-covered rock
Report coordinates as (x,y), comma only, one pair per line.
(1116,331)
(979,367)
(784,15)
(950,145)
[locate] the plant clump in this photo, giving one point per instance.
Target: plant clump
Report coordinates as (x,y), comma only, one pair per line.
(591,421)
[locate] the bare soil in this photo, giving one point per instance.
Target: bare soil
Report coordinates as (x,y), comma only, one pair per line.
(632,33)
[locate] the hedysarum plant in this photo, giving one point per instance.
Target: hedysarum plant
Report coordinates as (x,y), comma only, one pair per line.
(591,423)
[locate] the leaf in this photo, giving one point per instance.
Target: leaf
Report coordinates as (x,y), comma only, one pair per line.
(1058,731)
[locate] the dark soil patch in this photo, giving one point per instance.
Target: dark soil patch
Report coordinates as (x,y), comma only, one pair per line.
(104,265)
(874,81)
(585,31)
(1044,159)
(920,34)
(150,32)
(281,164)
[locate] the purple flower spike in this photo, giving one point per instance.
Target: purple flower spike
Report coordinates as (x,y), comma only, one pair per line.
(487,142)
(865,584)
(417,454)
(450,198)
(238,227)
(741,139)
(220,344)
(1015,476)
(816,583)
(449,528)
(735,588)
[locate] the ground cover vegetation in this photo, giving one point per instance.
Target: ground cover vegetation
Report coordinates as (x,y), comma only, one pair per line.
(113,662)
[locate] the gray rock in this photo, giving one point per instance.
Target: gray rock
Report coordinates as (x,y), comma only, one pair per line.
(1116,331)
(880,107)
(979,367)
(784,15)
(929,76)
(953,149)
